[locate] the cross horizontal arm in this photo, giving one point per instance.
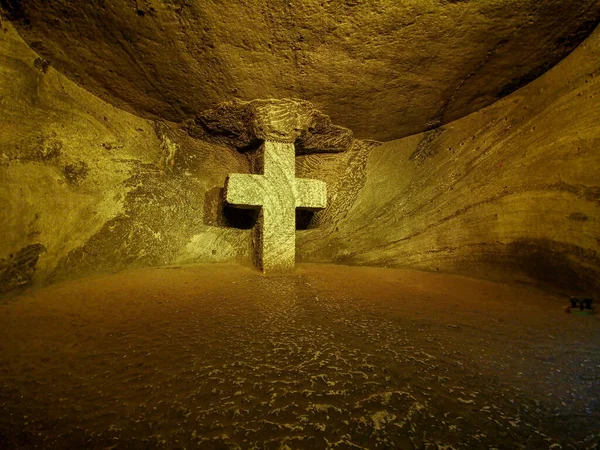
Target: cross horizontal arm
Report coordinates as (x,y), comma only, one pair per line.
(311,194)
(245,190)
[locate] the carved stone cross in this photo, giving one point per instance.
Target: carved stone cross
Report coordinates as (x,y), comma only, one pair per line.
(277,192)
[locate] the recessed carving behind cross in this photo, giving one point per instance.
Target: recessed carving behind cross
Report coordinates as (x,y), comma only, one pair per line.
(278,193)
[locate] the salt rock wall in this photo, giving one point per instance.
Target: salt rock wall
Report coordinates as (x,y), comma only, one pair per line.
(86,187)
(384,69)
(511,192)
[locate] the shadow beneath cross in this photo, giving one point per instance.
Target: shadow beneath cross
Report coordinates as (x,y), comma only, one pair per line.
(218,213)
(304,219)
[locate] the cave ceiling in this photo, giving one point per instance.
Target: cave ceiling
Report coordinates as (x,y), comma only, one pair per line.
(384,69)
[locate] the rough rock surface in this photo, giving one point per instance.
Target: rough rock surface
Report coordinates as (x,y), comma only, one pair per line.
(101,189)
(17,271)
(384,69)
(98,188)
(243,125)
(510,191)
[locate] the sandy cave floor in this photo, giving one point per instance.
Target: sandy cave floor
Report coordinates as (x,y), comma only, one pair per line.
(220,356)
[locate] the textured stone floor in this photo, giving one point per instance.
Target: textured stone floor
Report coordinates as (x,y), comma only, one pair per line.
(328,357)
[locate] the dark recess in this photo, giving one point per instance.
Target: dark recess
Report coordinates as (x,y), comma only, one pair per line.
(17,271)
(304,218)
(218,213)
(14,11)
(242,218)
(563,267)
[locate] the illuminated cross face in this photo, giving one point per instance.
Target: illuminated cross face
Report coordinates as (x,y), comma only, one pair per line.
(277,192)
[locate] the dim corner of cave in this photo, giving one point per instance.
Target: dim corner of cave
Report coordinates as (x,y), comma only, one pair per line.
(300,225)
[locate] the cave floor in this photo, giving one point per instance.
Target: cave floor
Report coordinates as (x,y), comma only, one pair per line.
(220,356)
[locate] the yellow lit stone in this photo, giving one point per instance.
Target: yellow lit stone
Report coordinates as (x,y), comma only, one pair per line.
(278,193)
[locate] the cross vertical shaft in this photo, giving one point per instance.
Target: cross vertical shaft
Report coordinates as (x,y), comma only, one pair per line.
(277,192)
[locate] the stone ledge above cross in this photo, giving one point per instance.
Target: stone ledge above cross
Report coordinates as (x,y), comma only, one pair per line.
(241,124)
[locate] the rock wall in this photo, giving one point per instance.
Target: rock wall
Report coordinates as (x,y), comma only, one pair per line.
(384,69)
(86,187)
(511,192)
